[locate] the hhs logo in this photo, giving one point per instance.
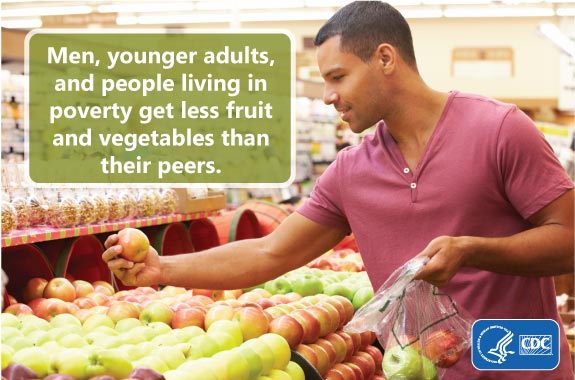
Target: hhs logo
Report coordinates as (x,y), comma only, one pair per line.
(535,345)
(515,344)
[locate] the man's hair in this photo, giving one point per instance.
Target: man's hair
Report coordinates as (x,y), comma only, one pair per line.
(363,25)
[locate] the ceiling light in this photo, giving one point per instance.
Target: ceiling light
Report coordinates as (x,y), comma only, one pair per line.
(23,23)
(46,11)
(498,12)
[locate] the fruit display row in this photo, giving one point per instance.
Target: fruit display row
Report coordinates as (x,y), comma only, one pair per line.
(339,260)
(355,286)
(172,331)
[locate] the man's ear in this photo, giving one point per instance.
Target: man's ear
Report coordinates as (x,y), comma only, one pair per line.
(386,57)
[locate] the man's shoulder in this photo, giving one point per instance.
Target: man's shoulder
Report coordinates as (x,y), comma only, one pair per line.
(483,101)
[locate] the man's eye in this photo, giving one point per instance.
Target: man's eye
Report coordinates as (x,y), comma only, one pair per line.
(337,77)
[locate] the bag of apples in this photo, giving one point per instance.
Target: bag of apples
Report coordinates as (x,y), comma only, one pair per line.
(423,331)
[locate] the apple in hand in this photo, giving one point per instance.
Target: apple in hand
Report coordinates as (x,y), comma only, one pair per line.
(444,347)
(135,244)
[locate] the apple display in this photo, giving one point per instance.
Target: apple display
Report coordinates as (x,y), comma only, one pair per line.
(229,327)
(7,353)
(135,244)
(278,374)
(18,309)
(444,347)
(119,310)
(192,316)
(35,358)
(309,322)
(323,359)
(18,371)
(236,365)
(279,285)
(47,308)
(254,361)
(295,371)
(306,284)
(82,288)
(97,320)
(364,361)
(145,374)
(307,353)
(216,312)
(171,355)
(104,287)
(265,353)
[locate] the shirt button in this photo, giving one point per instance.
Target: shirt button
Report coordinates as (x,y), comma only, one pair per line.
(406,170)
(413,185)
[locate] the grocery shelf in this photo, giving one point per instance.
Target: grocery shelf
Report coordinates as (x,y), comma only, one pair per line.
(35,235)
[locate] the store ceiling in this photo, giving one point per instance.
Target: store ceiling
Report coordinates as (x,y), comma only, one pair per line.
(25,14)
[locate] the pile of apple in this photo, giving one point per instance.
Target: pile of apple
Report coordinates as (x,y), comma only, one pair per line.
(341,260)
(355,286)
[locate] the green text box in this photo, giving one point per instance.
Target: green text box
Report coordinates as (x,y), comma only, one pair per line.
(211,108)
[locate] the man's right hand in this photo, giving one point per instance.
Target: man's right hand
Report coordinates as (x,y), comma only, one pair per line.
(147,273)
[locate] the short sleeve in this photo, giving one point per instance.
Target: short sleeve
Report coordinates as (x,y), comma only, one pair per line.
(531,173)
(325,203)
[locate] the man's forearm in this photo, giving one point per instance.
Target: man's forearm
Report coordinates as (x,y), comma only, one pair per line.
(542,251)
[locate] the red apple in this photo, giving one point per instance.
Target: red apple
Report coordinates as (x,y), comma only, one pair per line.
(310,324)
(376,354)
(329,349)
(323,358)
(348,343)
(122,310)
(265,302)
(356,370)
(18,309)
(341,310)
(34,288)
(135,244)
(367,338)
(82,288)
(348,306)
(326,323)
(347,372)
(217,312)
(334,314)
(288,327)
(61,288)
(443,347)
(253,321)
(49,307)
(194,316)
(85,302)
(334,374)
(364,361)
(103,287)
(340,345)
(100,298)
(356,337)
(204,300)
(308,353)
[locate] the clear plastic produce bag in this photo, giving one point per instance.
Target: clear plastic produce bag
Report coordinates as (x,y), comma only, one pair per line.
(422,330)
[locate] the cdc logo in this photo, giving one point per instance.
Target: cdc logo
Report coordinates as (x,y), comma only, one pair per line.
(515,344)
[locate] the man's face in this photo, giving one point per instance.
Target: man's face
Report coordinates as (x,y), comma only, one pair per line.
(353,86)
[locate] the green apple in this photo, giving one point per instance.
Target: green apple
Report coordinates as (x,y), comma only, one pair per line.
(19,342)
(112,362)
(189,332)
(429,369)
(280,348)
(107,330)
(65,320)
(202,346)
(167,339)
(200,369)
(96,320)
(307,285)
(263,351)
(237,366)
(339,288)
(295,371)
(158,328)
(10,332)
(279,285)
(152,362)
(126,324)
(156,311)
(230,327)
(402,363)
(34,358)
(7,353)
(224,340)
(8,319)
(70,361)
(72,340)
(362,296)
(254,361)
(30,322)
(278,374)
(171,355)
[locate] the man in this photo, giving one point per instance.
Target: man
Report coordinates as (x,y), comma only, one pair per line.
(463,179)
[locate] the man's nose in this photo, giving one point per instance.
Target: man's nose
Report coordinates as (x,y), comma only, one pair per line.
(329,96)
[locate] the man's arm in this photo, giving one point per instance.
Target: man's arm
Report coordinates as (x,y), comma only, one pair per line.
(547,249)
(240,264)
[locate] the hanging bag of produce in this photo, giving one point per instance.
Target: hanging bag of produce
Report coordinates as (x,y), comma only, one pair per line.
(422,330)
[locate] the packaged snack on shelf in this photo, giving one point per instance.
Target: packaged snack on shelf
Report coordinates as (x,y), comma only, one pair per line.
(63,210)
(130,204)
(8,218)
(20,205)
(100,206)
(116,209)
(423,331)
(146,207)
(86,209)
(169,201)
(38,208)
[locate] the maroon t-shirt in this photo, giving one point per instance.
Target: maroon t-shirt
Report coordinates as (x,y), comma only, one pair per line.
(484,171)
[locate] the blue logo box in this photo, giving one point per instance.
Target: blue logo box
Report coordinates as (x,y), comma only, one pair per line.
(515,344)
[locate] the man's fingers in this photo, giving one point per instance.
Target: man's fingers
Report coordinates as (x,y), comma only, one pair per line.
(111,253)
(111,240)
(120,264)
